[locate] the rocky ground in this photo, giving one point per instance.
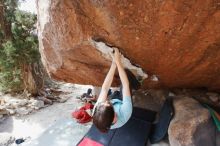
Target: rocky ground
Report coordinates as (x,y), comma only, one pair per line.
(29,118)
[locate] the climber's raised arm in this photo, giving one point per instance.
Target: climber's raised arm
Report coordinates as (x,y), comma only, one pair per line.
(122,74)
(107,83)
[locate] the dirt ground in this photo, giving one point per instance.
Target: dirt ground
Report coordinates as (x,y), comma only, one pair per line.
(33,125)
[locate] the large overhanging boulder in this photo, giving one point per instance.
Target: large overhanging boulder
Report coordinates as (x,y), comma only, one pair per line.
(168,43)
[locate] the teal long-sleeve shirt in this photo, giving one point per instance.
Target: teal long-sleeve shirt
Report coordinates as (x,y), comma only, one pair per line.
(123,110)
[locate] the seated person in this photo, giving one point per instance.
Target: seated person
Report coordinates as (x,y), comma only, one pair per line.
(88,96)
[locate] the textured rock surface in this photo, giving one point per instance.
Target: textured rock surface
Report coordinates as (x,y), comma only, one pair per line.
(176,42)
(191,125)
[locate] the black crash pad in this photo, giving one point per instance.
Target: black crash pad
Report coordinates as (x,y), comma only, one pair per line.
(103,138)
(159,130)
(143,114)
(134,133)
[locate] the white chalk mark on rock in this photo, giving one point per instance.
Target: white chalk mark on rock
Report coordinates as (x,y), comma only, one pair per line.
(154,78)
(105,50)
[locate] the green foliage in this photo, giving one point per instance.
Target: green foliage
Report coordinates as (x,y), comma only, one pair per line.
(20,49)
(11,6)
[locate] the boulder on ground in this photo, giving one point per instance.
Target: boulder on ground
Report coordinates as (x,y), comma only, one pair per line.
(192,124)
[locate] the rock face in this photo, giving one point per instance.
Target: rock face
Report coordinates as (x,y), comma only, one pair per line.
(177,43)
(191,125)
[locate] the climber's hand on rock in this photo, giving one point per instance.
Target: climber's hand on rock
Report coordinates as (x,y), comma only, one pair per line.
(117,55)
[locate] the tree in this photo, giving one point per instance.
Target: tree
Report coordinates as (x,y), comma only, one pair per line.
(19,55)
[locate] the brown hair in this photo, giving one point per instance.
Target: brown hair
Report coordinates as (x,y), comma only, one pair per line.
(103,116)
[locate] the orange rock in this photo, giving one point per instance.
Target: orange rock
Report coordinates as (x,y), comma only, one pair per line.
(177,41)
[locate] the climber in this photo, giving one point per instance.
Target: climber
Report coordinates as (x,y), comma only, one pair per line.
(114,111)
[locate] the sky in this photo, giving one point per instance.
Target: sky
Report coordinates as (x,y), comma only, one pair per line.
(28,5)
